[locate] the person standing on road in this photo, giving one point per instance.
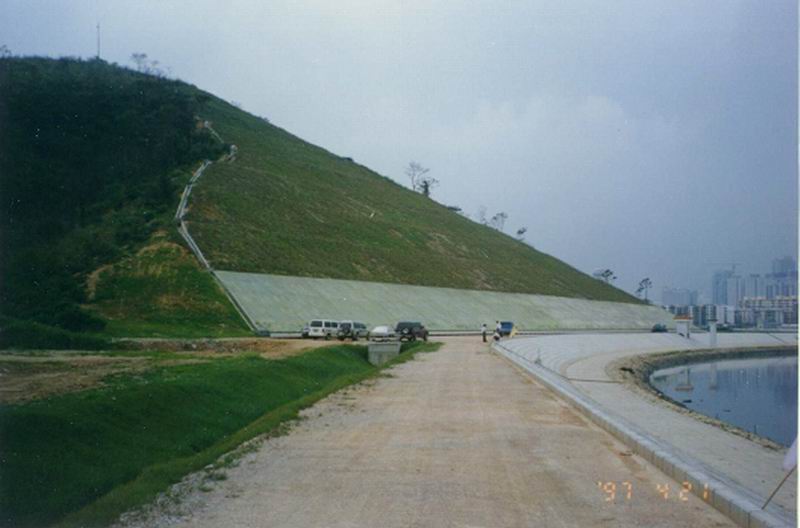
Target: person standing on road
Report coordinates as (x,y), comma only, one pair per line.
(498,328)
(483,331)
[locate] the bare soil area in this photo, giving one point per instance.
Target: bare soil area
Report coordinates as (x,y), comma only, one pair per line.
(266,347)
(458,437)
(27,376)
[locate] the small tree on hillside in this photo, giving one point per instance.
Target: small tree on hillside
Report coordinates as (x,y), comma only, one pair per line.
(482,215)
(419,181)
(144,65)
(644,285)
(415,172)
(426,183)
(140,60)
(521,233)
(498,221)
(605,275)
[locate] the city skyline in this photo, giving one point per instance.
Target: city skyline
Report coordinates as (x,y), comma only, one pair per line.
(747,284)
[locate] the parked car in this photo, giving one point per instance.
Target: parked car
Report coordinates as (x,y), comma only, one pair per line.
(382,333)
(721,327)
(305,331)
(324,328)
(506,327)
(658,327)
(351,329)
(411,331)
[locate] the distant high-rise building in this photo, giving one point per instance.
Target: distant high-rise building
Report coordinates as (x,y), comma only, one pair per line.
(785,265)
(733,286)
(720,288)
(782,282)
(753,286)
(767,313)
(678,297)
(702,315)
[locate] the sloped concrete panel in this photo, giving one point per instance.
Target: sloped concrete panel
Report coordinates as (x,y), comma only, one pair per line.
(284,304)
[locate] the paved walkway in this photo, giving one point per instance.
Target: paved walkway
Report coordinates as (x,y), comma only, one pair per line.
(733,458)
(458,437)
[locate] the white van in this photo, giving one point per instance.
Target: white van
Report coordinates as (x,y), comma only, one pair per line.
(325,328)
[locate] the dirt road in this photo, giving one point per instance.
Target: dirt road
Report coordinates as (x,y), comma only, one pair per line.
(458,437)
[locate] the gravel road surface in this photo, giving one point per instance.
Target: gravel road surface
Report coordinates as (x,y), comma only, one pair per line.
(458,437)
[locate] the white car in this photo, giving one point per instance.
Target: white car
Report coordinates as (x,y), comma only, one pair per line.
(324,328)
(382,333)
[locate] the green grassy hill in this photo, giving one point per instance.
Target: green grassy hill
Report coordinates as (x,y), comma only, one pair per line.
(287,207)
(93,158)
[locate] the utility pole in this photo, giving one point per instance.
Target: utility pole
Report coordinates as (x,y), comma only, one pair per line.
(98,40)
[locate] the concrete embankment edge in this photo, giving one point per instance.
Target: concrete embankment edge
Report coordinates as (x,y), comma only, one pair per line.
(738,503)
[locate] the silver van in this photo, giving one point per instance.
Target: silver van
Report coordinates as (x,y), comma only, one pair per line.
(352,329)
(325,328)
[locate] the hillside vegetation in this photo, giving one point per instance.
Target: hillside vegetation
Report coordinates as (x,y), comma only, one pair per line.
(92,161)
(93,158)
(290,208)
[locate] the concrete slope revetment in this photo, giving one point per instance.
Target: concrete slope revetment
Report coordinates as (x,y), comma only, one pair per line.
(279,303)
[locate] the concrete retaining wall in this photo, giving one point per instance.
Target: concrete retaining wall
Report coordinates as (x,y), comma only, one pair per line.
(284,304)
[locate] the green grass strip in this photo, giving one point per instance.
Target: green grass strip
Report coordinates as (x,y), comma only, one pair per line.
(81,459)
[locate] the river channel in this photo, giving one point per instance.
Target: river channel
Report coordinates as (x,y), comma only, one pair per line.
(757,395)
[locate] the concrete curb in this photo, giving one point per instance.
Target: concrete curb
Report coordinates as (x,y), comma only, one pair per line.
(730,498)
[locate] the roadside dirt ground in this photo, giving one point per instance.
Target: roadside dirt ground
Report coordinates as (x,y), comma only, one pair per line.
(26,376)
(267,348)
(457,437)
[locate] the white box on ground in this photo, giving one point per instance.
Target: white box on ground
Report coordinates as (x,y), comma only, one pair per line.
(382,351)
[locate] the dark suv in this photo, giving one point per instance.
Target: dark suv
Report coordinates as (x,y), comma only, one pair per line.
(408,331)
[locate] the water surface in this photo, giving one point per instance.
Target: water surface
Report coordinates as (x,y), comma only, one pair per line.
(758,395)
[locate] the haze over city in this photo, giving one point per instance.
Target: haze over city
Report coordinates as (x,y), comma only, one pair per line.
(656,139)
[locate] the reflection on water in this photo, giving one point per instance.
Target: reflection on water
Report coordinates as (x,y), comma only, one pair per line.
(758,395)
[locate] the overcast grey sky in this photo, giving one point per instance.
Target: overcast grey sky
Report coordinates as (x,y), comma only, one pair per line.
(652,137)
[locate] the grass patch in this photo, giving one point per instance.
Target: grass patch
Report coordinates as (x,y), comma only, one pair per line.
(30,334)
(161,291)
(81,459)
(290,208)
